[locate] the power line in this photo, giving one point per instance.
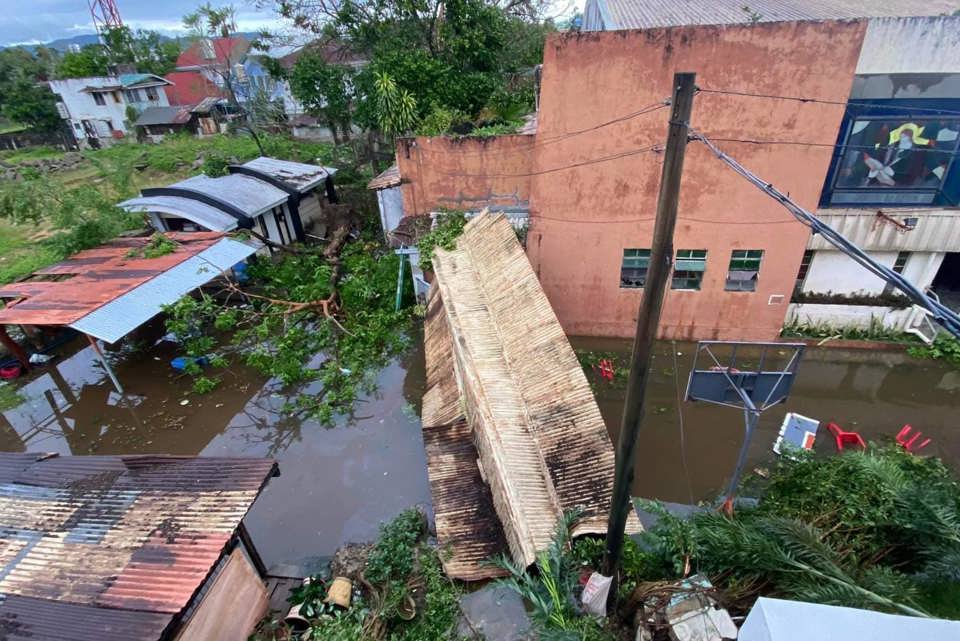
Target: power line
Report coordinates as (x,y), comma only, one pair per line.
(942,314)
(801,143)
(570,134)
(633,152)
(843,103)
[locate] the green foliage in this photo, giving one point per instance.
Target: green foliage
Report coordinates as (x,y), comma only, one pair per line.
(24,99)
(395,108)
(325,90)
(393,555)
(158,245)
(875,331)
(146,51)
(439,121)
(877,529)
(10,397)
(488,131)
(944,347)
(447,230)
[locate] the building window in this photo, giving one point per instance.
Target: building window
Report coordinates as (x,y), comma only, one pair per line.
(116,96)
(689,268)
(152,94)
(99,99)
(633,269)
(898,265)
(744,270)
(132,95)
(895,160)
(802,272)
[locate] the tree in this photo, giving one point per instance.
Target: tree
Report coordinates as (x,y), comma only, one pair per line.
(325,90)
(147,51)
(24,98)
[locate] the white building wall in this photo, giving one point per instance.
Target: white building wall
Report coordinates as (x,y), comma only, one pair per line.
(922,268)
(833,271)
(81,105)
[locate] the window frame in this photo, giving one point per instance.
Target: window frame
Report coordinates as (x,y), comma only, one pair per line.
(99,99)
(152,94)
(640,257)
(744,285)
(692,279)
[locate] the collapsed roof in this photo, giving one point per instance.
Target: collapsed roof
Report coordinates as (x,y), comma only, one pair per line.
(499,361)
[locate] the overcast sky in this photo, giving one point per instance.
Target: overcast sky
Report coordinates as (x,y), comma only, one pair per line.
(34,21)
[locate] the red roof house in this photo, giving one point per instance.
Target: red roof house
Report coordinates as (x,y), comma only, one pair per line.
(190,88)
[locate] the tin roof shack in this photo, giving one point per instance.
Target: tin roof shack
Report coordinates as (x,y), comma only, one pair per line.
(109,291)
(505,390)
(278,199)
(133,548)
(156,122)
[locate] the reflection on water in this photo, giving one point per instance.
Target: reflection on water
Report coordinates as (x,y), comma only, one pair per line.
(336,484)
(872,392)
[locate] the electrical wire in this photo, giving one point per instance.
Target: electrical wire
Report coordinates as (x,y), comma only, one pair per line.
(657,148)
(942,314)
(842,103)
(543,142)
(802,143)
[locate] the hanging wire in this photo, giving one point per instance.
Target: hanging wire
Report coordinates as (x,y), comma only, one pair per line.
(841,103)
(942,314)
(655,148)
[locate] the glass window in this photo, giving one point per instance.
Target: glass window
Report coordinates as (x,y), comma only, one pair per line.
(744,270)
(98,98)
(802,272)
(133,95)
(152,94)
(688,269)
(898,266)
(895,159)
(633,270)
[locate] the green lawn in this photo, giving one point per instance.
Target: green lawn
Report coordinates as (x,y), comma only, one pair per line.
(20,253)
(29,153)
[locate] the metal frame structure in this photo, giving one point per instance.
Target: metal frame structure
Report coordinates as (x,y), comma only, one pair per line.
(105,14)
(702,386)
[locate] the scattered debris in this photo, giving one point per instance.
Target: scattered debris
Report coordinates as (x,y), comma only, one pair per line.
(495,613)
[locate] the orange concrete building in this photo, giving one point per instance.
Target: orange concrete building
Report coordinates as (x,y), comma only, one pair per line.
(588,178)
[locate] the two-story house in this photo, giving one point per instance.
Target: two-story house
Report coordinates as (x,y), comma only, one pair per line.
(99,109)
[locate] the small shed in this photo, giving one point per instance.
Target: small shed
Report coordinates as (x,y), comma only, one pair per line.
(279,200)
(156,122)
(129,548)
(782,620)
(389,199)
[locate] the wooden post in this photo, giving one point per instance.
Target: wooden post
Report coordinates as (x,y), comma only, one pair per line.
(14,348)
(654,291)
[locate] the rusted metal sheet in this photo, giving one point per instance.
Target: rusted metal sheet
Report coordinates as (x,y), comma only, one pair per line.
(543,445)
(466,521)
(388,178)
(107,546)
(93,277)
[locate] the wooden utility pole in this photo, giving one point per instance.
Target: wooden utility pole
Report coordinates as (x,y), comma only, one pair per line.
(654,290)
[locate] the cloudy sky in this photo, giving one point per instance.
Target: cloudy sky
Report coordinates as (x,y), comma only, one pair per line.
(33,21)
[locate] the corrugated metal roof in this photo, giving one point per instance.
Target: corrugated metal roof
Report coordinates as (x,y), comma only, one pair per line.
(206,105)
(134,79)
(119,317)
(105,547)
(193,210)
(935,230)
(298,175)
(388,178)
(542,442)
(164,116)
(96,277)
(249,195)
(644,14)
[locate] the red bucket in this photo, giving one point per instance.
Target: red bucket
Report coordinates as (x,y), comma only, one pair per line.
(10,371)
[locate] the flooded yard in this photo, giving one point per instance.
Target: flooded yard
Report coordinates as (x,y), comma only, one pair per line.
(337,484)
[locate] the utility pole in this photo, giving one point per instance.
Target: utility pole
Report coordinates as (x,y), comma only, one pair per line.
(654,290)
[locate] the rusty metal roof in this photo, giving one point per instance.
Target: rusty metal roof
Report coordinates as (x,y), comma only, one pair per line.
(94,278)
(390,177)
(542,443)
(114,547)
(298,175)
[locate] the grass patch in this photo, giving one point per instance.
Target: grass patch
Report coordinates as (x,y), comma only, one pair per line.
(874,332)
(21,253)
(15,156)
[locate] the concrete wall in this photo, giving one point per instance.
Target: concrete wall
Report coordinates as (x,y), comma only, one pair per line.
(853,316)
(582,218)
(833,271)
(464,173)
(81,105)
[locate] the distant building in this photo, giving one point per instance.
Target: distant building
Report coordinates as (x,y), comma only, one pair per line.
(858,120)
(97,108)
(280,200)
(204,69)
(129,548)
(200,119)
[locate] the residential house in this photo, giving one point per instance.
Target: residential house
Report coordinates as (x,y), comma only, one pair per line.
(201,119)
(207,68)
(279,200)
(97,109)
(131,548)
(775,96)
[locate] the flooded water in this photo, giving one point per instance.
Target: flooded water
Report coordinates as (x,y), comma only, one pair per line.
(872,392)
(337,484)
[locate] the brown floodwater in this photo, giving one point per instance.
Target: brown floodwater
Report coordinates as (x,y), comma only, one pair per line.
(338,484)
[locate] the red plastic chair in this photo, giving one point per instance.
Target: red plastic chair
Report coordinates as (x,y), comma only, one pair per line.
(909,443)
(845,438)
